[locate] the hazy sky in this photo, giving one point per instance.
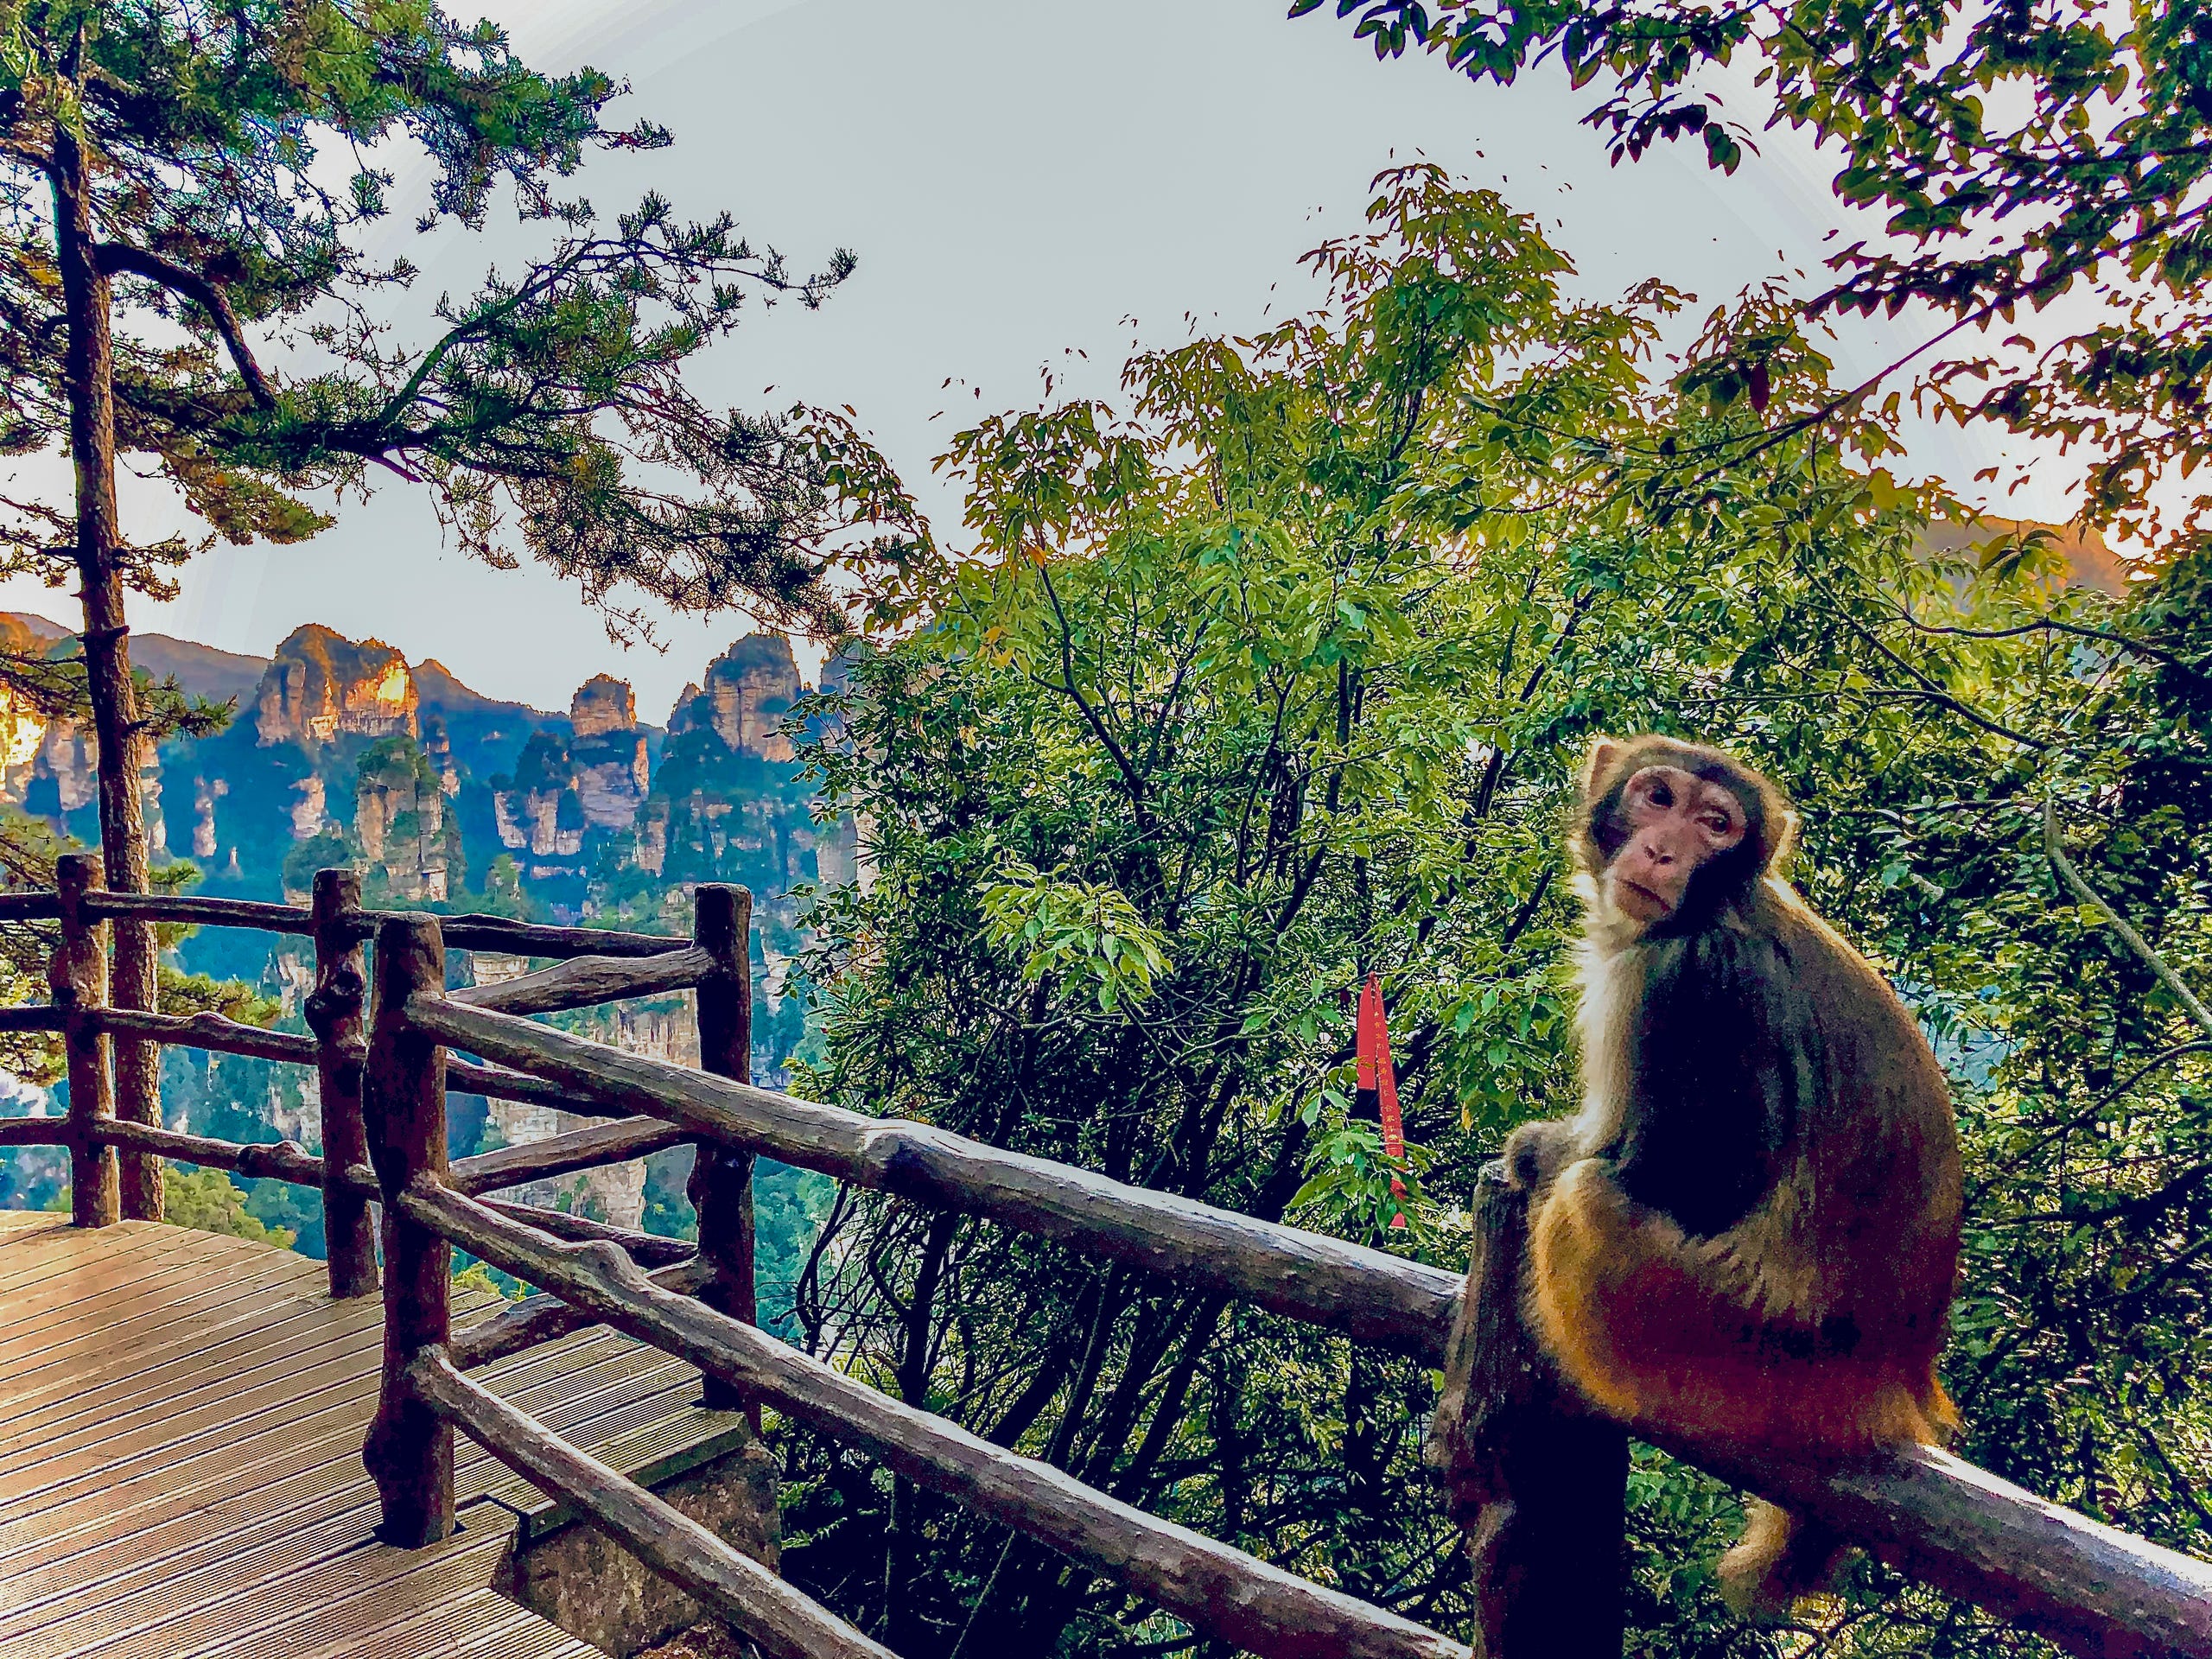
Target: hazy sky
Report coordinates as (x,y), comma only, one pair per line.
(1018,179)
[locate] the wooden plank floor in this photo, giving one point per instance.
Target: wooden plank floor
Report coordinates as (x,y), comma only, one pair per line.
(181,1422)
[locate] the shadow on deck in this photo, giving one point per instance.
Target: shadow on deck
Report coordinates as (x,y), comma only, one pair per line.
(181,1423)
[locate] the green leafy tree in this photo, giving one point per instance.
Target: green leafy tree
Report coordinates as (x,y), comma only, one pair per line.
(184,197)
(210,1200)
(2025,155)
(1283,671)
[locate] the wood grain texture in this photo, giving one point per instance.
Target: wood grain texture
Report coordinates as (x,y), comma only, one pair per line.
(1531,1477)
(211,1031)
(1365,1294)
(1539,1485)
(189,1479)
(465,933)
(470,1078)
(473,933)
(36,907)
(77,979)
(543,1318)
(34,1132)
(282,1160)
(333,1014)
(651,1248)
(753,1600)
(1219,1590)
(2093,1589)
(585,982)
(561,1155)
(721,1184)
(204,913)
(409,1452)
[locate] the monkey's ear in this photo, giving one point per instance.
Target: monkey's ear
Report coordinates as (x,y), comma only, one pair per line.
(1783,829)
(1604,750)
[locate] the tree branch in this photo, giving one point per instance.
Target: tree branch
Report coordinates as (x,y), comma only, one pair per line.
(2136,942)
(114,256)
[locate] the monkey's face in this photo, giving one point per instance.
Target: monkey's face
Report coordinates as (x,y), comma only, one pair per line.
(1667,825)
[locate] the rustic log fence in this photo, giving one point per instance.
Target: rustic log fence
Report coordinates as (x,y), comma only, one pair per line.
(1537,1482)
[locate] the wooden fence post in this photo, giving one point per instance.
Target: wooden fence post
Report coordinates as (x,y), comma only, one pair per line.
(333,1014)
(409,1452)
(1540,1484)
(78,979)
(720,1189)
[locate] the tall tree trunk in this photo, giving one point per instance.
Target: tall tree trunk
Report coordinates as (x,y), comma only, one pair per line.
(107,650)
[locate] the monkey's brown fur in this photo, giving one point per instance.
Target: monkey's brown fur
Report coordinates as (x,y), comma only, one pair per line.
(1812,1324)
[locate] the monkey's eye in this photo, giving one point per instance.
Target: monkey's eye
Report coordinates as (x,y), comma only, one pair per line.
(1659,795)
(1717,822)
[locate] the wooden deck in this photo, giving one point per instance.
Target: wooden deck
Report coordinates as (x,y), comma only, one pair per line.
(181,1422)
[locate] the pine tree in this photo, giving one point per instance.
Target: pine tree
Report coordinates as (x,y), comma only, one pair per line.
(183,287)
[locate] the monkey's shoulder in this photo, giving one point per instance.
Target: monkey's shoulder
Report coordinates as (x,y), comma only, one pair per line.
(1843,984)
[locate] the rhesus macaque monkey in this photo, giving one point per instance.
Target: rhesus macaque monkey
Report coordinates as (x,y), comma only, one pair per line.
(1748,1236)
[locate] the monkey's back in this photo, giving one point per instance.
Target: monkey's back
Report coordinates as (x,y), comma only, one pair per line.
(1876,1170)
(1815,1322)
(1858,1239)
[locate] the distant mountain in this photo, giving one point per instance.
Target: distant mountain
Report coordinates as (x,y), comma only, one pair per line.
(341,753)
(441,694)
(202,671)
(2089,560)
(15,625)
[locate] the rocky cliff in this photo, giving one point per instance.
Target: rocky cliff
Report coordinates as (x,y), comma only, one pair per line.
(342,752)
(607,752)
(322,684)
(749,690)
(401,827)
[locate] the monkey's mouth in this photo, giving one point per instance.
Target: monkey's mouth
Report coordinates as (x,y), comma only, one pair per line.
(1643,903)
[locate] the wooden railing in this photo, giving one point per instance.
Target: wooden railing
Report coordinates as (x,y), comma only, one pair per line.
(2094,1589)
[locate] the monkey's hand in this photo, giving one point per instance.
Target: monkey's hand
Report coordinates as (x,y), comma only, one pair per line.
(1535,1153)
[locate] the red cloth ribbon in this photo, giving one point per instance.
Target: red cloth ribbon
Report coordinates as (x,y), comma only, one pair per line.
(1377,1080)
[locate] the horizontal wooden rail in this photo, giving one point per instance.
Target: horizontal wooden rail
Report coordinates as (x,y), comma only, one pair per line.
(2097,1590)
(1219,1590)
(36,1016)
(210,1031)
(33,1131)
(227,1036)
(536,939)
(583,982)
(43,906)
(562,1154)
(282,1160)
(541,1317)
(102,905)
(1364,1293)
(650,1249)
(468,1077)
(778,1619)
(1957,1526)
(465,933)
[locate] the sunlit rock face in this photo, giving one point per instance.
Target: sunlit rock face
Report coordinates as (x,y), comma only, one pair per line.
(749,690)
(23,728)
(607,752)
(322,683)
